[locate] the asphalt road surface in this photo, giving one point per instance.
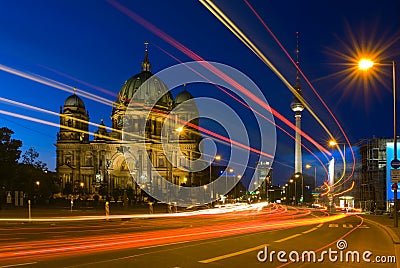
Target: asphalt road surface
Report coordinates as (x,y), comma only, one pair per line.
(273,237)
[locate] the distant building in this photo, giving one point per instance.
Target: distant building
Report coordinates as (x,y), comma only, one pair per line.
(99,166)
(264,174)
(373,186)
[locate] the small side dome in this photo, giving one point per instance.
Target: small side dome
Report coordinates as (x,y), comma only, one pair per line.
(183,96)
(74,101)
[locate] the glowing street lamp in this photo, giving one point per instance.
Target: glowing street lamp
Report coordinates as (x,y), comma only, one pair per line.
(333,143)
(230,170)
(364,65)
(315,174)
(217,157)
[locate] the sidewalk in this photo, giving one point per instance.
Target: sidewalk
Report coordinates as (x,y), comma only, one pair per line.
(43,211)
(387,223)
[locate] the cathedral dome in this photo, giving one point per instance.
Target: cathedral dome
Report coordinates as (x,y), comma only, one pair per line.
(74,101)
(183,96)
(150,92)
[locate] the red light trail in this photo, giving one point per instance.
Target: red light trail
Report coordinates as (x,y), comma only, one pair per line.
(213,69)
(277,217)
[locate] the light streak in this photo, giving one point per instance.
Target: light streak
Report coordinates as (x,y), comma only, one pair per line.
(347,190)
(108,92)
(328,189)
(248,107)
(54,84)
(219,137)
(32,119)
(216,71)
(238,33)
(63,247)
(315,92)
(333,242)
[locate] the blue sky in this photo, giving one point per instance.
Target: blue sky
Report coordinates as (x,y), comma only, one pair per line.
(94,42)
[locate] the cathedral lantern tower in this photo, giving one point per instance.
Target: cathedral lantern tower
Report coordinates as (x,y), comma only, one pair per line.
(297,107)
(146,96)
(73,120)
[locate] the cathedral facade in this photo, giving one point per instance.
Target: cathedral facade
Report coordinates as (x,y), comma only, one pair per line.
(101,163)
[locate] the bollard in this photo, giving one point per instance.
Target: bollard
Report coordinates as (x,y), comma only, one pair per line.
(151,208)
(107,206)
(169,208)
(29,210)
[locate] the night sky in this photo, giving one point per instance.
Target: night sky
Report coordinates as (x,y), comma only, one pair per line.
(95,47)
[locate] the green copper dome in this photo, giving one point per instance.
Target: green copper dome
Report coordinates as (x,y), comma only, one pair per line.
(150,91)
(183,96)
(74,101)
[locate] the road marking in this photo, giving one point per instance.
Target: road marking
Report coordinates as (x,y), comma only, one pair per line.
(309,231)
(19,264)
(364,226)
(347,225)
(162,245)
(287,238)
(319,225)
(333,225)
(233,254)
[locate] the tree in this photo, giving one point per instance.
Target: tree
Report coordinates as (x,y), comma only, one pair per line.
(30,158)
(9,156)
(33,176)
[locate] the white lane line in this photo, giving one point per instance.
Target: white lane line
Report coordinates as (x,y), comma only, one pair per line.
(309,231)
(234,254)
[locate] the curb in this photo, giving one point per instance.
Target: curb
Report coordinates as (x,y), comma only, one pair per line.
(392,234)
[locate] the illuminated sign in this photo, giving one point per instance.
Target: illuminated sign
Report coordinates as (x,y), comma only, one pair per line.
(389,158)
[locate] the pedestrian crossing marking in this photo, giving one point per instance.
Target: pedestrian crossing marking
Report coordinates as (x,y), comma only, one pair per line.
(347,225)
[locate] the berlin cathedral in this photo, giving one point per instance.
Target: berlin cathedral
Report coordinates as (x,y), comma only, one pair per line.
(98,165)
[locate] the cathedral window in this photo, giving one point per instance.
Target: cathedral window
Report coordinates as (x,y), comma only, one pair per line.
(68,160)
(161,162)
(124,166)
(89,160)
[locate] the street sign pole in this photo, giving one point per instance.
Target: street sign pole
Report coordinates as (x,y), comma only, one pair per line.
(395,178)
(394,188)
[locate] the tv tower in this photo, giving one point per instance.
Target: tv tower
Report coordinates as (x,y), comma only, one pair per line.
(297,107)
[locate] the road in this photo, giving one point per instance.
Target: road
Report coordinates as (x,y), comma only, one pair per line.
(234,239)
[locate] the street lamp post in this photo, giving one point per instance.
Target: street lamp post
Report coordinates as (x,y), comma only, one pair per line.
(315,174)
(226,178)
(295,192)
(366,64)
(217,157)
(297,175)
(333,143)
